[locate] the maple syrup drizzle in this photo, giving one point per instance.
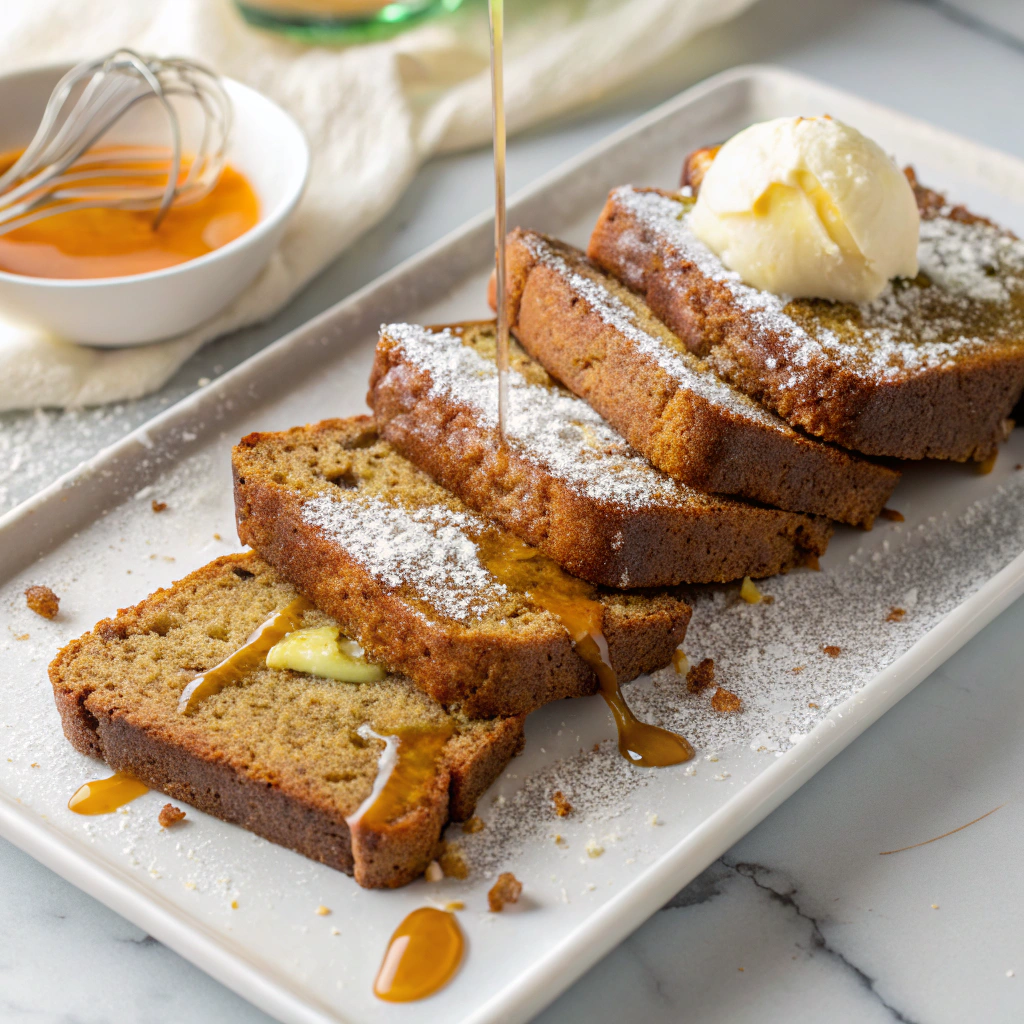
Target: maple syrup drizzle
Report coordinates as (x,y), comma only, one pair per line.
(91,243)
(247,658)
(408,767)
(104,796)
(571,601)
(497,21)
(424,953)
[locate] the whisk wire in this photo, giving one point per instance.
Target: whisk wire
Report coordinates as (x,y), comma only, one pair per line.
(64,169)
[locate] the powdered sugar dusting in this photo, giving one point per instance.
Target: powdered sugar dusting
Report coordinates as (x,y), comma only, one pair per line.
(772,657)
(688,371)
(426,549)
(976,273)
(548,425)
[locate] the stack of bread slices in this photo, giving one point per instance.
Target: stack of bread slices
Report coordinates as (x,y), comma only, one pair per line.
(667,427)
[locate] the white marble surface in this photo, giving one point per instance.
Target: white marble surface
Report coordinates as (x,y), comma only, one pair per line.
(803,920)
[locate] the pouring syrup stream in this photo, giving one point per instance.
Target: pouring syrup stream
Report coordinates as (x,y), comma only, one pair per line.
(497,20)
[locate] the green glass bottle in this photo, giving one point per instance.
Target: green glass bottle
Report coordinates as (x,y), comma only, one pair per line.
(340,21)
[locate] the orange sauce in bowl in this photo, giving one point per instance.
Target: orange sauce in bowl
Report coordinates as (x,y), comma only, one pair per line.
(117,243)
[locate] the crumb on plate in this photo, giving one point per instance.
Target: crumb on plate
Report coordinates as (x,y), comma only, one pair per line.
(43,601)
(505,890)
(170,815)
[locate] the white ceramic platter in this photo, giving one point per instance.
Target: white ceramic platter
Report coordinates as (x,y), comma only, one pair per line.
(952,565)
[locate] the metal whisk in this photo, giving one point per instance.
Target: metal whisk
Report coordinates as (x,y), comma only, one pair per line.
(61,170)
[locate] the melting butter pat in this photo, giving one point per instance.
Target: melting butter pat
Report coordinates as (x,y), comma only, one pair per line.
(322,652)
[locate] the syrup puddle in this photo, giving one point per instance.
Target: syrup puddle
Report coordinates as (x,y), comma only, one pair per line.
(251,656)
(571,601)
(104,796)
(422,956)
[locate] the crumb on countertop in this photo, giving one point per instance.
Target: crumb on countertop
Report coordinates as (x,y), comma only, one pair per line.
(832,651)
(749,591)
(322,911)
(892,515)
(896,615)
(701,676)
(725,701)
(433,872)
(43,601)
(680,662)
(170,815)
(562,806)
(474,824)
(158,506)
(505,890)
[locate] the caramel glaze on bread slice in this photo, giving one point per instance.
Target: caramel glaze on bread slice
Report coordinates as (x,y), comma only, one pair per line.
(930,369)
(565,482)
(279,752)
(398,561)
(603,342)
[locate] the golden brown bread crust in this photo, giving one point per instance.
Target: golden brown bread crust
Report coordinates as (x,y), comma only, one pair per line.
(134,726)
(507,666)
(667,541)
(954,411)
(718,446)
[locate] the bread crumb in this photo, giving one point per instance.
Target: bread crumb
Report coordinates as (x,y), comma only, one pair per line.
(21,636)
(170,815)
(234,904)
(452,905)
(433,872)
(652,819)
(597,747)
(896,615)
(594,848)
(701,676)
(725,701)
(158,506)
(935,906)
(43,601)
(811,704)
(562,806)
(797,669)
(505,890)
(322,911)
(986,467)
(474,824)
(453,864)
(217,536)
(892,515)
(832,651)
(335,931)
(749,591)
(680,662)
(559,841)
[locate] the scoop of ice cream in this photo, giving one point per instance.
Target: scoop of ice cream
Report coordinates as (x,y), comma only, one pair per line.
(810,208)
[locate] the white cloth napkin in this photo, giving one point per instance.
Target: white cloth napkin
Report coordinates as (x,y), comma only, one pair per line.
(372,114)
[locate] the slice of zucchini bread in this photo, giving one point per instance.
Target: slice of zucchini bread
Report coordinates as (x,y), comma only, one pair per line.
(565,481)
(284,754)
(406,568)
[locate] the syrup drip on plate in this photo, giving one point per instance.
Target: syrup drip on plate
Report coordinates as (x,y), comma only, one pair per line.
(104,796)
(247,658)
(498,122)
(422,956)
(572,602)
(405,775)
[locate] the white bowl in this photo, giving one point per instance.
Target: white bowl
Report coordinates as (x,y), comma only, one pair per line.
(266,145)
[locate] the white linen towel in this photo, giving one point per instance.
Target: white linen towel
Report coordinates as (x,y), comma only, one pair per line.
(372,115)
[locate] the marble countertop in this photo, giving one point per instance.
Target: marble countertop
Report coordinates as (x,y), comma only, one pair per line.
(804,918)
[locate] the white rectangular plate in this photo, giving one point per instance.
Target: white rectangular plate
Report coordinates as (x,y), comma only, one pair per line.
(953,565)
